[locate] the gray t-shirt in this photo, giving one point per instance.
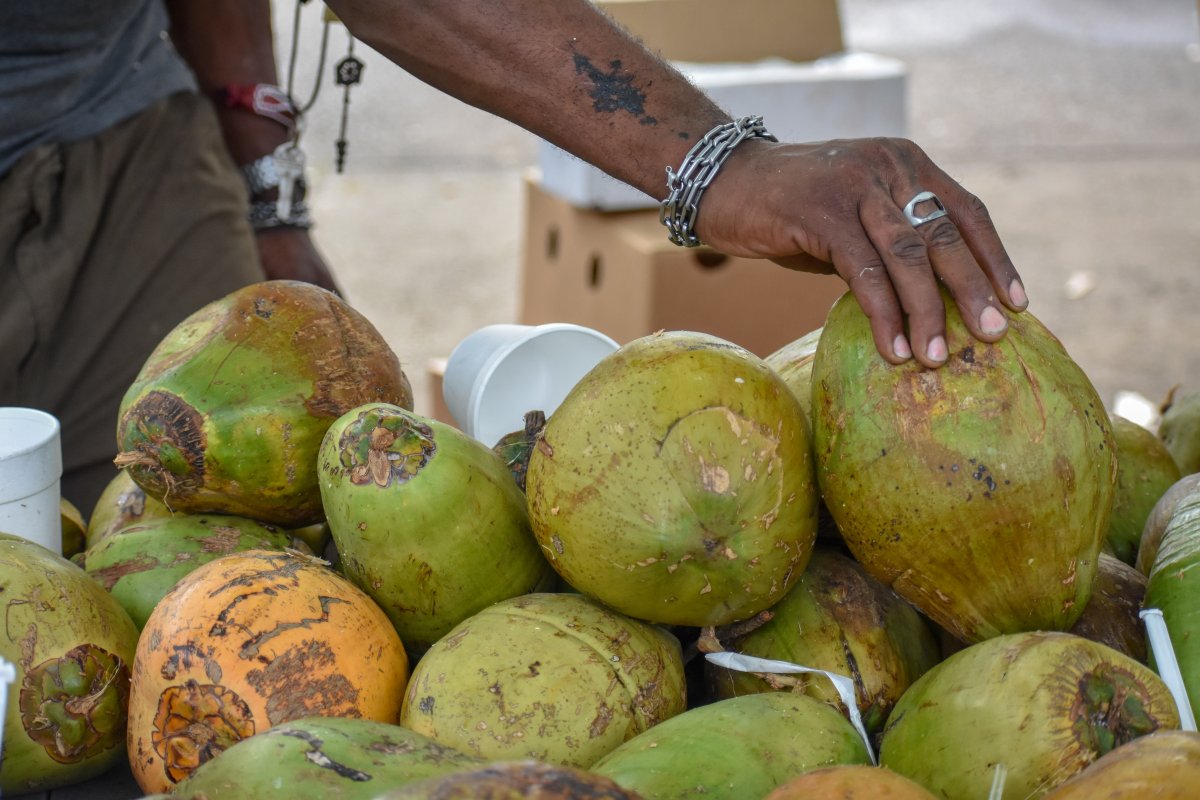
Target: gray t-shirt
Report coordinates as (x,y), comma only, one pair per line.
(70,69)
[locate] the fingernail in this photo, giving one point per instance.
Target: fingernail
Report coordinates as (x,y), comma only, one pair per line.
(992,321)
(1016,293)
(900,347)
(936,351)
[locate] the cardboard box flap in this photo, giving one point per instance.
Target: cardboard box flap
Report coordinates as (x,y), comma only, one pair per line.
(731,30)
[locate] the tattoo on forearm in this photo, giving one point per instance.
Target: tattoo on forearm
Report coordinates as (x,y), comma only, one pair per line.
(612,91)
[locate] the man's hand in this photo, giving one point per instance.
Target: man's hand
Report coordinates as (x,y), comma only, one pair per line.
(289,254)
(838,207)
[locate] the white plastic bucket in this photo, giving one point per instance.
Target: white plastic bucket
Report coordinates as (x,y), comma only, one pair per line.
(30,471)
(500,372)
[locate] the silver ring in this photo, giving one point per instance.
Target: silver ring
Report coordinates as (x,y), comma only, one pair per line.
(921,197)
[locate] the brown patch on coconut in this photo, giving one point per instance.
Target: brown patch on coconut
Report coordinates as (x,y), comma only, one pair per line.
(168,454)
(108,576)
(298,683)
(364,372)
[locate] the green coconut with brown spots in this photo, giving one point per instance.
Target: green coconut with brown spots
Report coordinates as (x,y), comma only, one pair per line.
(675,482)
(1180,429)
(839,619)
(741,747)
(794,363)
(428,521)
(140,563)
(1145,471)
(1043,704)
(324,758)
(556,678)
(980,491)
(122,503)
(228,413)
(71,645)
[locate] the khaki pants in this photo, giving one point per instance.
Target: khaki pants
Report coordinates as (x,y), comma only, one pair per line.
(105,245)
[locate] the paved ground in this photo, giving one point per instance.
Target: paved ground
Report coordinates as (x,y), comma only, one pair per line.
(1076,121)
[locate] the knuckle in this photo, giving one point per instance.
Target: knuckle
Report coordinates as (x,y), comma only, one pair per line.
(975,213)
(875,152)
(867,276)
(942,234)
(908,249)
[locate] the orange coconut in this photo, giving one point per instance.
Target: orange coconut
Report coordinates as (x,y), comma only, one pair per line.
(249,641)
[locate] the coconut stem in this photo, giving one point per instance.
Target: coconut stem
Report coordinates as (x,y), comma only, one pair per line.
(712,639)
(134,458)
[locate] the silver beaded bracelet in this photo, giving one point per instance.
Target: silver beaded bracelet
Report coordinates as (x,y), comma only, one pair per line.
(699,168)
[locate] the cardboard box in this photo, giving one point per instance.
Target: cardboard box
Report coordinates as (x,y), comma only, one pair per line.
(731,30)
(435,404)
(841,97)
(617,273)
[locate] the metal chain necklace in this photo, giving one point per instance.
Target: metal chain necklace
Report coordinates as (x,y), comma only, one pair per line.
(347,72)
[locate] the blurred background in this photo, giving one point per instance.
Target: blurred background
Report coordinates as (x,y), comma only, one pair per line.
(1076,121)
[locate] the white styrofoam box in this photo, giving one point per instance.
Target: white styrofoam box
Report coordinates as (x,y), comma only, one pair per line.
(848,95)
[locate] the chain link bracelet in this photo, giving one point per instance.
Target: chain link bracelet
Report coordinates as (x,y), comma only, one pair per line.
(698,170)
(264,215)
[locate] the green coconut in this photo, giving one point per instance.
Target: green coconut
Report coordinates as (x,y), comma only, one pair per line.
(1164,765)
(71,645)
(1160,517)
(1145,471)
(74,528)
(1042,704)
(426,520)
(122,503)
(980,491)
(675,484)
(839,619)
(228,413)
(140,563)
(738,748)
(556,678)
(513,780)
(324,758)
(1112,613)
(1180,429)
(1174,588)
(794,362)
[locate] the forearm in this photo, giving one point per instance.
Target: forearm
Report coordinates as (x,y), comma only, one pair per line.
(558,68)
(229,42)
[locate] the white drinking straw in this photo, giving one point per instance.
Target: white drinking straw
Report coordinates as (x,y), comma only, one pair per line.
(1168,664)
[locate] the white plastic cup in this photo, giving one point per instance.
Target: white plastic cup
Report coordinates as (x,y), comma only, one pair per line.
(500,372)
(30,471)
